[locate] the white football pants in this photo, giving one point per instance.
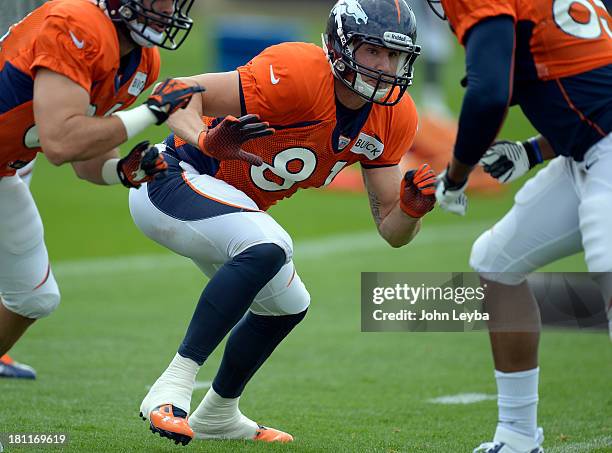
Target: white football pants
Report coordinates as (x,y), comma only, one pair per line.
(565,208)
(27,285)
(210,242)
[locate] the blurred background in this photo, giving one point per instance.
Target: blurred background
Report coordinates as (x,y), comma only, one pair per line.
(85,220)
(126,301)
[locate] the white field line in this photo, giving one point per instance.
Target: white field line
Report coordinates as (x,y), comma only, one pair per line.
(462,398)
(570,447)
(303,250)
(582,447)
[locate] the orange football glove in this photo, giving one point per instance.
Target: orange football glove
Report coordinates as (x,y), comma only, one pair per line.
(223,141)
(142,164)
(169,96)
(417,193)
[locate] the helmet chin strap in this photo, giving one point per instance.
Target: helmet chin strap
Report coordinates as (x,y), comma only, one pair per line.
(368,90)
(146,37)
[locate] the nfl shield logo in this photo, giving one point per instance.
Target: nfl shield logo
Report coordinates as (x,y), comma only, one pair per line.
(342,142)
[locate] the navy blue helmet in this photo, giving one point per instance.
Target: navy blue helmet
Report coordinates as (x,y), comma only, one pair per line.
(386,23)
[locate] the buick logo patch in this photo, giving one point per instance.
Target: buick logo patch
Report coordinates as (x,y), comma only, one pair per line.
(368,146)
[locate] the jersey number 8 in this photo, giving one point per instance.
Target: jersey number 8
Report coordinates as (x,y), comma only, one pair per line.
(565,12)
(305,162)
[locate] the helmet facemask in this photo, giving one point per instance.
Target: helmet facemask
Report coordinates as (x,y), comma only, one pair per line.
(390,26)
(372,84)
(436,7)
(148,27)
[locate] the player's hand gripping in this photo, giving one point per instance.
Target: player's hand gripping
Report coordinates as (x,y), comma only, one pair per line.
(223,141)
(142,164)
(450,195)
(417,193)
(507,161)
(169,96)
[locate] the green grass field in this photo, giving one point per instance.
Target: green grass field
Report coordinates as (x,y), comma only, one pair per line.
(126,304)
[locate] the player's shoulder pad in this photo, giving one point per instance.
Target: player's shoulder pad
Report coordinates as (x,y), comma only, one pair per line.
(404,114)
(294,71)
(85,24)
(153,63)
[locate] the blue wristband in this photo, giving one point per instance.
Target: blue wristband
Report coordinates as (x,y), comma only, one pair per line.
(537,151)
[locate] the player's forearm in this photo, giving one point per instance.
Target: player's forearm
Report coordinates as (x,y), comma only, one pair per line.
(82,138)
(92,170)
(458,171)
(398,228)
(545,147)
(187,124)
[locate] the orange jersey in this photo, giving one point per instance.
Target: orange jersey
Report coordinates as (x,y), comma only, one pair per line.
(73,38)
(569,36)
(292,87)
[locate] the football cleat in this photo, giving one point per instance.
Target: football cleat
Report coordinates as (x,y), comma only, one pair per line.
(508,441)
(272,435)
(170,422)
(242,428)
(11,369)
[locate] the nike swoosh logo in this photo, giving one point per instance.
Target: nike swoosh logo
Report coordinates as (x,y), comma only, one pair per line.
(79,44)
(590,164)
(273,79)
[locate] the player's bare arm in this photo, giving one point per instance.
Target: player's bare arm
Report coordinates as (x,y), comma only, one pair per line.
(384,187)
(91,170)
(221,98)
(66,132)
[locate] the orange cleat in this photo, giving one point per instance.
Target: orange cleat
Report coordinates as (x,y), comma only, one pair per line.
(171,422)
(11,369)
(272,435)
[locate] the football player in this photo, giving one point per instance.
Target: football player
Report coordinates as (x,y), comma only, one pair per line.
(67,73)
(292,118)
(13,12)
(553,58)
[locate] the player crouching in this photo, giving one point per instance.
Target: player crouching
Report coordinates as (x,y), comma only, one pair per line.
(329,109)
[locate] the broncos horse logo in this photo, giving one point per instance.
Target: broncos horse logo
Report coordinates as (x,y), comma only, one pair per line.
(350,8)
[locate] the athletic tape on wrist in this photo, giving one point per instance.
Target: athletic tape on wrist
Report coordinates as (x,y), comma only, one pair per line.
(136,120)
(109,172)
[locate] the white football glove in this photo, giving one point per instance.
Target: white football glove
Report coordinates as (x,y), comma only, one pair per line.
(450,197)
(507,161)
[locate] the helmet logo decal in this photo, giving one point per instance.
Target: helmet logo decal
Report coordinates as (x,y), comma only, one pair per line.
(350,8)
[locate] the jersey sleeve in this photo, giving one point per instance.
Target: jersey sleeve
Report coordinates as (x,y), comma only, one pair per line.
(400,135)
(154,62)
(275,85)
(67,48)
(464,14)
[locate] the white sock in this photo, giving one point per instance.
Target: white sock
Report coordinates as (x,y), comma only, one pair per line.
(217,415)
(517,400)
(174,386)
